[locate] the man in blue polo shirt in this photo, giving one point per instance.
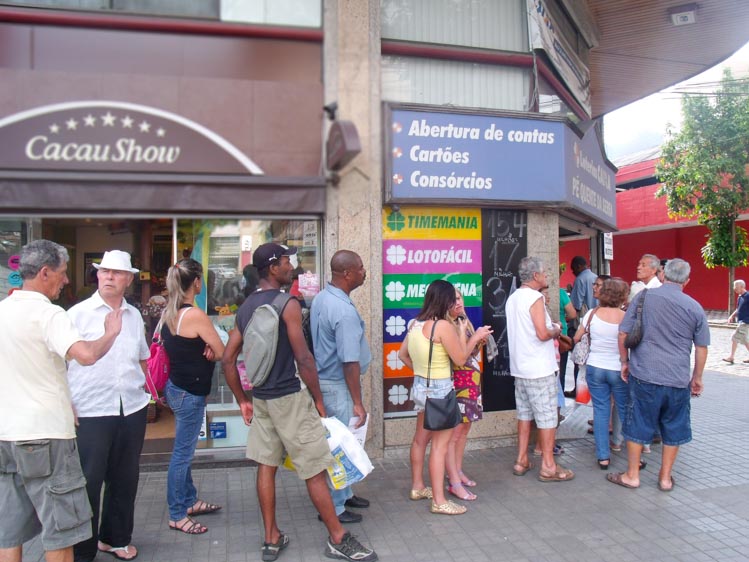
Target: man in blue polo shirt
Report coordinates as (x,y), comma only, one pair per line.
(658,372)
(342,355)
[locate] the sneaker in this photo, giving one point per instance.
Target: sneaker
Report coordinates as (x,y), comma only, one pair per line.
(646,449)
(349,549)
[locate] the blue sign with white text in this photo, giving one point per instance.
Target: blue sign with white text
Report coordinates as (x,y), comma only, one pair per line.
(437,156)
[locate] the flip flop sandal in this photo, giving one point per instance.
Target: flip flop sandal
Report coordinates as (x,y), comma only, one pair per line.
(423,494)
(116,550)
(561,475)
(729,361)
(465,480)
(616,478)
(203,508)
(270,551)
(522,470)
(468,497)
(189,527)
(448,508)
(662,489)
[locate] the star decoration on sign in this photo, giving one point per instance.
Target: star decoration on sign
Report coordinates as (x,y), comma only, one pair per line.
(78,121)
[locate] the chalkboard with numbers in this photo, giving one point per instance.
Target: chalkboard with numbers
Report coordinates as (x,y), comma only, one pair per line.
(504,244)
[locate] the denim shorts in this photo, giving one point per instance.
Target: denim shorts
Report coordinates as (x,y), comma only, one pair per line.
(42,490)
(653,407)
(438,388)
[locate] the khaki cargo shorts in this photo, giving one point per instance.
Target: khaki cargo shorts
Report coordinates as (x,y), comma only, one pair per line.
(42,490)
(741,335)
(289,424)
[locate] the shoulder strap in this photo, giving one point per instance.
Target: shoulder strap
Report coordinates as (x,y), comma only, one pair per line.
(279,302)
(640,303)
(181,316)
(431,346)
(590,319)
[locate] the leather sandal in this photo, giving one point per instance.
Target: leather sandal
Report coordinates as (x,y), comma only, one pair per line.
(448,508)
(423,494)
(202,508)
(189,527)
(561,475)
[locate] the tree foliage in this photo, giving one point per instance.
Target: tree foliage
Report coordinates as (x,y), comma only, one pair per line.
(703,169)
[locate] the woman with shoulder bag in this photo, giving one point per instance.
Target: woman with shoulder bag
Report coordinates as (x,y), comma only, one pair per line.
(193,345)
(603,367)
(431,335)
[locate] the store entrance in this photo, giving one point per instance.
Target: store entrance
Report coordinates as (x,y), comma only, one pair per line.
(222,245)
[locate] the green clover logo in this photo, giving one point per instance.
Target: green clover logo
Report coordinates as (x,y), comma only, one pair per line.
(396,221)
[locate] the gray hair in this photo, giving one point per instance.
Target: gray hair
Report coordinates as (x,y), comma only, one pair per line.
(677,271)
(739,283)
(655,262)
(528,266)
(38,254)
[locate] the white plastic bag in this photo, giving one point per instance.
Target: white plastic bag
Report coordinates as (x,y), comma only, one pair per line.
(351,463)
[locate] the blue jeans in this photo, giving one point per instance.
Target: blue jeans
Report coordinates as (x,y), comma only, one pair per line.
(338,404)
(603,383)
(188,417)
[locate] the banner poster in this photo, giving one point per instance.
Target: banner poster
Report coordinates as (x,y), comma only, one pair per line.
(421,244)
(504,244)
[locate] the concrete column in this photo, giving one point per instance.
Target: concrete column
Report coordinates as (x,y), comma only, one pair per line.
(543,242)
(351,67)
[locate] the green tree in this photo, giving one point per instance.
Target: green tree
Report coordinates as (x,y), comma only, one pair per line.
(703,169)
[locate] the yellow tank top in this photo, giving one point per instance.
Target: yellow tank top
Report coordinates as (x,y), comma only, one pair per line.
(418,349)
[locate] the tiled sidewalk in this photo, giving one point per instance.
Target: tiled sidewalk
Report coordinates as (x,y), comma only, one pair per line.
(515,518)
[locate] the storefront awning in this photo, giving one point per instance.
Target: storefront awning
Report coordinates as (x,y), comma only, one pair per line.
(175,194)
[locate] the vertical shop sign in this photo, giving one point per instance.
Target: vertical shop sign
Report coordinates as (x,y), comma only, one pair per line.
(420,245)
(504,244)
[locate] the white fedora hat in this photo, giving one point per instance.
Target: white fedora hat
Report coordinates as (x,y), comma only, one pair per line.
(118,260)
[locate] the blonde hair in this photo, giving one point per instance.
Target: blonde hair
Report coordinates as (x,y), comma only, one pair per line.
(178,280)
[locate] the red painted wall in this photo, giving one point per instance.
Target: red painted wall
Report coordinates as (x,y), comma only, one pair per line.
(639,208)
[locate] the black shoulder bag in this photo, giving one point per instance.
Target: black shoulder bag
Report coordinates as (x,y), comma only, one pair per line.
(439,413)
(634,337)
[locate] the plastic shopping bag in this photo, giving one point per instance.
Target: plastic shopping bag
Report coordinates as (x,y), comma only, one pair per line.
(582,394)
(351,463)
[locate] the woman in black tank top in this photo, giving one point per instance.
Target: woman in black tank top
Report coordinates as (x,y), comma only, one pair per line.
(192,344)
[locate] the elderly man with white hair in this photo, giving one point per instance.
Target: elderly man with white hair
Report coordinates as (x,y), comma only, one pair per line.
(741,314)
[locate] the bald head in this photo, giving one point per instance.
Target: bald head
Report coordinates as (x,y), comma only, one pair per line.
(347,270)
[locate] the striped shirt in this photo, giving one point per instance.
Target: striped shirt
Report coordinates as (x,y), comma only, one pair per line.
(671,323)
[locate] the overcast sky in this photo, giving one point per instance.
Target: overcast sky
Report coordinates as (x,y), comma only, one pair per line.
(642,124)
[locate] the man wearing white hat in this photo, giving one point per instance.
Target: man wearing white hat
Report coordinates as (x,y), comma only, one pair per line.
(111,405)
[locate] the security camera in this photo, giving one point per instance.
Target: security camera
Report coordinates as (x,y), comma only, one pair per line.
(331,110)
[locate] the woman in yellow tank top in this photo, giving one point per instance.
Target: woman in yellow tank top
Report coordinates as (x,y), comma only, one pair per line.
(449,345)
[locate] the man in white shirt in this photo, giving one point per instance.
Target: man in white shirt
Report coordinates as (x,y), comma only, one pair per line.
(647,271)
(111,406)
(42,488)
(533,363)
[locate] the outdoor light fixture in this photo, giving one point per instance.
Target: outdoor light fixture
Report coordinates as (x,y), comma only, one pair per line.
(685,14)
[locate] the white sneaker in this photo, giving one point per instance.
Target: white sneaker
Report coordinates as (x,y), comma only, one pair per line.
(646,449)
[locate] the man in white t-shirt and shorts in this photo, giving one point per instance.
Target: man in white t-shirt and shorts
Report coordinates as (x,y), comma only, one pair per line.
(531,334)
(42,488)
